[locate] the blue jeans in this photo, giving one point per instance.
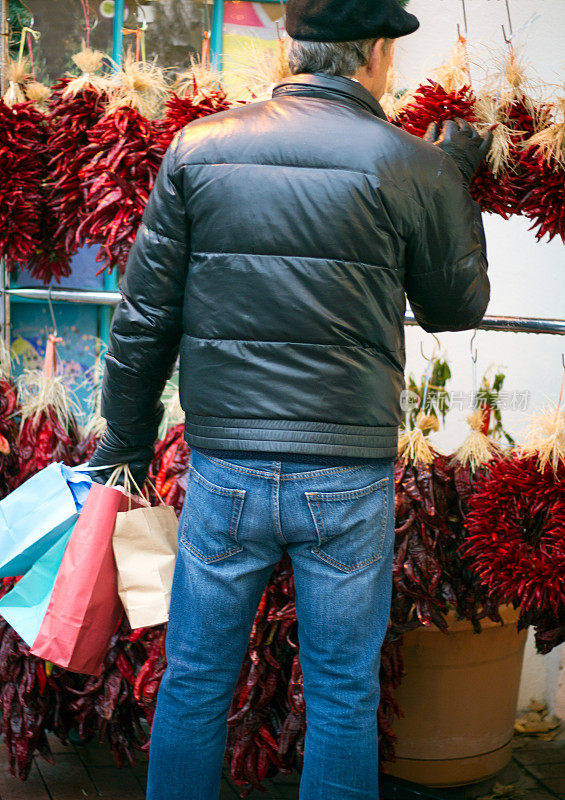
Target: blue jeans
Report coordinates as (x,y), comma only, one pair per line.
(239,517)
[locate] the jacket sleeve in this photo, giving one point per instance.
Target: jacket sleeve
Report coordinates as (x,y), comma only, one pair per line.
(446,276)
(147,325)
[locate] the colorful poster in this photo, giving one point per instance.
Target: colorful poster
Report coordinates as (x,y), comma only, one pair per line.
(251,30)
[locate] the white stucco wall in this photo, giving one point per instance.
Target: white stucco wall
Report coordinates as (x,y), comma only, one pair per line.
(528,277)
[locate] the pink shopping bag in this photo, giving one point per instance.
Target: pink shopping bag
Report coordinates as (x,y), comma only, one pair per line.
(84,610)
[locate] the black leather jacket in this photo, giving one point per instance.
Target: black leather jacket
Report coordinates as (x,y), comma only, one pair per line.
(277,249)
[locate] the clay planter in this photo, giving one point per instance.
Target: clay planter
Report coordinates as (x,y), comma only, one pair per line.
(459,699)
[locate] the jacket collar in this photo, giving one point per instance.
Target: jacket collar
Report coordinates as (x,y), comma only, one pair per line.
(333,87)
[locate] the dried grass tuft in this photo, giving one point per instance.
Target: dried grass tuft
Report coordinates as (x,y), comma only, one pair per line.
(413,445)
(139,85)
(545,438)
(89,62)
(254,74)
(18,75)
(477,449)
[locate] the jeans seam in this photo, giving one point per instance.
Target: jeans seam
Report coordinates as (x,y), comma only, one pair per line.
(236,468)
(340,565)
(351,494)
(211,487)
(325,535)
(276,516)
(297,476)
(212,559)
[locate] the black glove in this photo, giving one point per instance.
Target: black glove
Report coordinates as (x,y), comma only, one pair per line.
(116,448)
(463,143)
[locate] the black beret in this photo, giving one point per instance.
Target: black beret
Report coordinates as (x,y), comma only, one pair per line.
(347,20)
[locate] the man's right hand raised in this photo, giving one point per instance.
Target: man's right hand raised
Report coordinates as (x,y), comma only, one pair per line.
(463,143)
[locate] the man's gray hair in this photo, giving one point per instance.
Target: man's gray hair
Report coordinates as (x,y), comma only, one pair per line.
(333,58)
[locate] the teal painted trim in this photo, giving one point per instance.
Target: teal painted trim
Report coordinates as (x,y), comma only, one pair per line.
(118,36)
(110,282)
(217,36)
(15,299)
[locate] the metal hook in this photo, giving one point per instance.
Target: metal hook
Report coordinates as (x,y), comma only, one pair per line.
(505,37)
(509,17)
(207,8)
(474,353)
(437,346)
(52,311)
(465,18)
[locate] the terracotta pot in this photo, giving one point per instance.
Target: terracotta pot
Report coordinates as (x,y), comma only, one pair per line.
(459,699)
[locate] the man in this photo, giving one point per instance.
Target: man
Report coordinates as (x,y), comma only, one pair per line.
(277,249)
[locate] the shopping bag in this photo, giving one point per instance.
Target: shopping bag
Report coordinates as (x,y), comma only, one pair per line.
(145,547)
(36,514)
(84,609)
(24,606)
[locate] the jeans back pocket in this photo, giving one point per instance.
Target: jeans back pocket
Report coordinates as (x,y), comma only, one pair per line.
(211,519)
(351,526)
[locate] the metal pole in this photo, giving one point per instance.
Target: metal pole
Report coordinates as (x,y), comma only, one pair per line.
(110,282)
(66,296)
(119,7)
(217,38)
(489,323)
(513,324)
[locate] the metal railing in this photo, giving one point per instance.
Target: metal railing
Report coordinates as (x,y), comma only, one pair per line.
(489,323)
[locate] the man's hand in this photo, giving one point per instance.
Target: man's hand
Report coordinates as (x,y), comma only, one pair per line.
(112,450)
(463,143)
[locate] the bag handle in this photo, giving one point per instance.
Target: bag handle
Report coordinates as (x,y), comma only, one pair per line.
(152,486)
(129,480)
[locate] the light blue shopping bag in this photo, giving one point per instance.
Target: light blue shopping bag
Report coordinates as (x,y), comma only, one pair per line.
(24,607)
(37,513)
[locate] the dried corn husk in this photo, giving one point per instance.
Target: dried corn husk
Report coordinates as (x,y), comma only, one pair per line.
(138,85)
(550,141)
(198,81)
(413,445)
(545,438)
(38,94)
(18,75)
(477,449)
(41,389)
(453,74)
(89,62)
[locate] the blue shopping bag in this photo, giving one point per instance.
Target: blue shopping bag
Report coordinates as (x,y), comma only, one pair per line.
(37,513)
(25,606)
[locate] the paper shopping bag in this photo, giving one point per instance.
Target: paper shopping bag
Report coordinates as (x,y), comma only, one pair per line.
(145,547)
(24,606)
(36,514)
(84,609)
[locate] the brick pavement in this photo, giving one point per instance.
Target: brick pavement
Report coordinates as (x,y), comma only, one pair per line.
(89,773)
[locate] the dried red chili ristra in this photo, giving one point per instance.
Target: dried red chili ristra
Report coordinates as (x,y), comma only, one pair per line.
(169,467)
(121,161)
(43,440)
(181,111)
(23,135)
(515,544)
(9,462)
(543,188)
(432,103)
(71,117)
